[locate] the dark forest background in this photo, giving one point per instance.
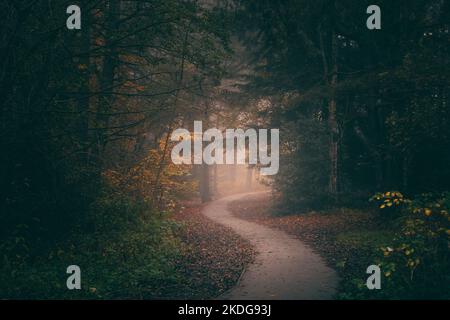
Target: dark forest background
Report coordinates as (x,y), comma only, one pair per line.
(86,115)
(382,95)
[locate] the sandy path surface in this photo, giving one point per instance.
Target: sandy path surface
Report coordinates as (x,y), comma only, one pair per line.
(284,267)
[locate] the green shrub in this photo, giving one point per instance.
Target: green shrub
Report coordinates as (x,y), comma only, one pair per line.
(416,264)
(129,252)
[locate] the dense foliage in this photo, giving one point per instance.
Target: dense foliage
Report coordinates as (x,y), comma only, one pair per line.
(415,265)
(360,110)
(412,249)
(84,125)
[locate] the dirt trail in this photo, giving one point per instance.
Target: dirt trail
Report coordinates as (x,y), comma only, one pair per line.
(284,268)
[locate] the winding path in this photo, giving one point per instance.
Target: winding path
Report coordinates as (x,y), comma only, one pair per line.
(284,267)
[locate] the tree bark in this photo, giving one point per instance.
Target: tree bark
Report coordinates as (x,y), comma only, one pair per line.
(204,183)
(249,178)
(330,76)
(108,70)
(332,121)
(84,101)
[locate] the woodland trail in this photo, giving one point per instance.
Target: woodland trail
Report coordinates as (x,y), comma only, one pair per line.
(284,267)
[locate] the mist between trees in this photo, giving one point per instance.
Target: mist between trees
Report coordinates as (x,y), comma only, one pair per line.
(241,147)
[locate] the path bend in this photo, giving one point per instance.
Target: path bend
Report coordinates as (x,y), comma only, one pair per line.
(284,267)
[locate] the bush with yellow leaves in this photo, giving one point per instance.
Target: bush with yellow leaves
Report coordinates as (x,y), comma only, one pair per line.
(153,179)
(391,203)
(417,263)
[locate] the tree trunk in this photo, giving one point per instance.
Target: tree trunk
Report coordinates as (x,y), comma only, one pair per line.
(84,101)
(405,172)
(332,122)
(329,61)
(108,71)
(249,178)
(204,183)
(216,180)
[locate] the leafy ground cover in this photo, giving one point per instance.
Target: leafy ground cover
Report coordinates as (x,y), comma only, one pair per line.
(351,240)
(132,254)
(214,257)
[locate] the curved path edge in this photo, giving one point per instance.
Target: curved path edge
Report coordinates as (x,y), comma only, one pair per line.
(284,267)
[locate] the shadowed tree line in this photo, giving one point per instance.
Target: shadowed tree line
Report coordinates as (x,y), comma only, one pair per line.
(85,121)
(360,110)
(87,109)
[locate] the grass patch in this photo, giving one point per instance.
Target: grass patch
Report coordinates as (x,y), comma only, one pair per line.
(365,239)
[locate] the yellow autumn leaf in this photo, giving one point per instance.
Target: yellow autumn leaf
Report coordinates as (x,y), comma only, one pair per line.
(427,212)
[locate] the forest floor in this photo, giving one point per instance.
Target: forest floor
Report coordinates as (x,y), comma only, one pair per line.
(189,256)
(346,238)
(181,256)
(213,258)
